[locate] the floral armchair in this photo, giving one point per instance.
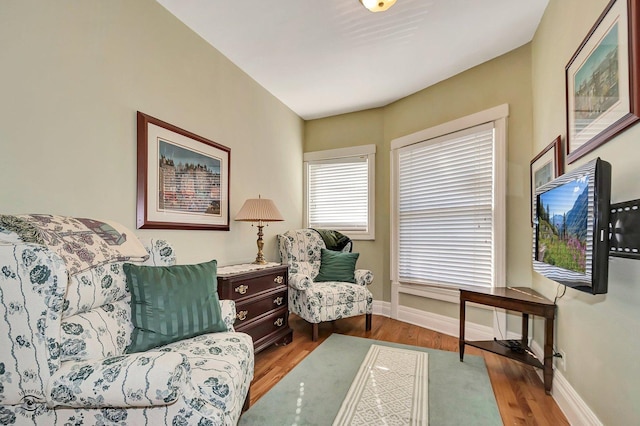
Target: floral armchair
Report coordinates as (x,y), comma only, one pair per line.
(318,302)
(63,361)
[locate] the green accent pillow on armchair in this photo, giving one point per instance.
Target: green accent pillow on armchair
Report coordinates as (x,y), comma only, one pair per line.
(171,303)
(337,266)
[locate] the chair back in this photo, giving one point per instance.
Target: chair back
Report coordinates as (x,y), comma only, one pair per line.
(301,250)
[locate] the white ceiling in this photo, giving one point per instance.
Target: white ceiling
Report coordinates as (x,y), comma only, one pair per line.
(328,57)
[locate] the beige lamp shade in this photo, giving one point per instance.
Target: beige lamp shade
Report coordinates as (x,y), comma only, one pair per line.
(259,210)
(377,5)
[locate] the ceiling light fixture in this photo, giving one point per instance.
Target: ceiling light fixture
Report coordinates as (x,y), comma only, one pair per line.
(377,5)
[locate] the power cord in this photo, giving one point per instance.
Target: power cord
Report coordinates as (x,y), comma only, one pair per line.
(495,313)
(564,290)
(516,345)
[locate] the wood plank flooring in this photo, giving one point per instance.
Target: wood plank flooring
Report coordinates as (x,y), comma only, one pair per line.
(518,389)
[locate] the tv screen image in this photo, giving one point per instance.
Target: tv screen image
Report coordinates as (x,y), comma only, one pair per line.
(571,236)
(562,225)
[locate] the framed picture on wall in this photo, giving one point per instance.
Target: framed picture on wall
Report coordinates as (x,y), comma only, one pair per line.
(183,178)
(545,167)
(603,80)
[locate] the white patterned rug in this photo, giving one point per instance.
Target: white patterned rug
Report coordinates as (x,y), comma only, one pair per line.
(390,388)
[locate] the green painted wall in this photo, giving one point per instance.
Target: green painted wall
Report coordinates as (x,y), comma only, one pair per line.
(597,333)
(73,75)
(506,79)
(360,128)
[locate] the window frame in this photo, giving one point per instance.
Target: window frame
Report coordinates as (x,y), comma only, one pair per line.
(498,116)
(330,155)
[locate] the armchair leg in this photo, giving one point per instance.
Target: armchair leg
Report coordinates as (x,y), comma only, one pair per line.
(368,322)
(314,333)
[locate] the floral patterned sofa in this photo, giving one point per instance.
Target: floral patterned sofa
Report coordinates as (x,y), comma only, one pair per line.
(62,349)
(315,301)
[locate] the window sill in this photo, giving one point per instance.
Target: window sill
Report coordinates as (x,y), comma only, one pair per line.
(432,291)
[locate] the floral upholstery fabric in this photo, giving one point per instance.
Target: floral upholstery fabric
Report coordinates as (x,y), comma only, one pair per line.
(63,359)
(82,243)
(320,301)
(32,286)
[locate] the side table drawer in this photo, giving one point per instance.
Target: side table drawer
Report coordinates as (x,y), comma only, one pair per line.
(245,288)
(245,312)
(271,323)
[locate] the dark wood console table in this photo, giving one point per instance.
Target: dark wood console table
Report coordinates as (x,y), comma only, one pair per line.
(520,299)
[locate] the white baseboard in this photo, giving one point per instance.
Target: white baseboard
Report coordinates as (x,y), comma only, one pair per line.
(571,404)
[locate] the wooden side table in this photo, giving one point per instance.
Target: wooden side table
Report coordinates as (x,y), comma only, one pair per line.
(520,299)
(261,296)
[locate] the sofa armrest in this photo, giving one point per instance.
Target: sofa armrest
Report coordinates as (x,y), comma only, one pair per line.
(228,308)
(363,276)
(136,380)
(299,281)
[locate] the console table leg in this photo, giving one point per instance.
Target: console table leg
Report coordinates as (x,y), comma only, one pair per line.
(548,354)
(525,330)
(461,336)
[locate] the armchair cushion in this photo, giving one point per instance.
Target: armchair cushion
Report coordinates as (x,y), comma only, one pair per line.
(99,333)
(171,303)
(137,380)
(337,266)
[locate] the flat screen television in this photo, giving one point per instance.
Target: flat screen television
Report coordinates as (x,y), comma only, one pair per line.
(571,228)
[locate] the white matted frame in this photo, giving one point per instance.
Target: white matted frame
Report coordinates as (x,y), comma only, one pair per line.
(545,167)
(603,80)
(183,178)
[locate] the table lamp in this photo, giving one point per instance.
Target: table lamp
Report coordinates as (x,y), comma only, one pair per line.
(259,210)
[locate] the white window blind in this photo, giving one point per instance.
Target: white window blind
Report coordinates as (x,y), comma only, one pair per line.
(445,209)
(338,196)
(340,190)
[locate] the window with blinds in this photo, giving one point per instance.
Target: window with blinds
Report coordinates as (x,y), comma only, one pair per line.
(339,191)
(445,205)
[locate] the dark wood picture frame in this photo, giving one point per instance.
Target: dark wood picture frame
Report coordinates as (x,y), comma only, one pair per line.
(183,178)
(545,167)
(604,109)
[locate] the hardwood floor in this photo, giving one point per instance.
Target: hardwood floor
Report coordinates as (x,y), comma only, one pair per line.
(518,389)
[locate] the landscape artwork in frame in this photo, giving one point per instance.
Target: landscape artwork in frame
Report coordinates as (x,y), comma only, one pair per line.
(183,178)
(602,80)
(545,167)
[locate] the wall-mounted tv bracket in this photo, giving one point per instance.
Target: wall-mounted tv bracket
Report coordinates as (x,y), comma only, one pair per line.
(624,229)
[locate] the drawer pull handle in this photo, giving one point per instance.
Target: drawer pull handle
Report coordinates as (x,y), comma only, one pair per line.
(242,315)
(242,289)
(279,279)
(278,322)
(278,301)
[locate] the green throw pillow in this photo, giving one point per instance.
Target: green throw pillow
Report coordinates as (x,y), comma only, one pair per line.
(337,266)
(171,303)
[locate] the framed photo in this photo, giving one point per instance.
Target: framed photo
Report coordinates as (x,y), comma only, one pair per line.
(545,167)
(603,80)
(183,179)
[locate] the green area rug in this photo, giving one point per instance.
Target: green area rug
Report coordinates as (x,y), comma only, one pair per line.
(460,393)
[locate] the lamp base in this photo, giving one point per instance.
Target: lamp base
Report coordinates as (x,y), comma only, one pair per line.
(260,257)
